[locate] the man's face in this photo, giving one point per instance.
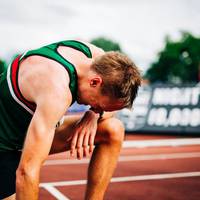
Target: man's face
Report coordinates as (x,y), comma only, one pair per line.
(91,95)
(104,103)
(100,102)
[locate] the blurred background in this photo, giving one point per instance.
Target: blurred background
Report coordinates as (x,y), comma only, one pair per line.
(161,37)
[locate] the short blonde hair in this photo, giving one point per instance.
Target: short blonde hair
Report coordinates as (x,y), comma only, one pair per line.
(121,78)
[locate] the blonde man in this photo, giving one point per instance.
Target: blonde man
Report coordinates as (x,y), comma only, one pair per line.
(35,92)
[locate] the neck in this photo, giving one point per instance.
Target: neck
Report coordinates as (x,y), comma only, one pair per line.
(84,73)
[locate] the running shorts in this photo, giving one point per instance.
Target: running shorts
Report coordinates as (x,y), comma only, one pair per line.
(9,162)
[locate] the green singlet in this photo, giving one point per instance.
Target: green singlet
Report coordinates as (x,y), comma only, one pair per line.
(15,111)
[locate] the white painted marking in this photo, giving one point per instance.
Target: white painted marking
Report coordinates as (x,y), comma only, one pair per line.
(65,183)
(129,158)
(66,162)
(161,143)
(160,156)
(155,177)
(51,189)
(130,178)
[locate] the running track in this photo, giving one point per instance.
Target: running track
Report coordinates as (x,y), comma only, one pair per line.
(149,168)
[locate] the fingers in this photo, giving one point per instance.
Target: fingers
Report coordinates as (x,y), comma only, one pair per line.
(83,142)
(91,142)
(85,146)
(73,144)
(80,146)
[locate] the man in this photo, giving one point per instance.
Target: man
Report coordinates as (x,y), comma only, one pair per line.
(35,92)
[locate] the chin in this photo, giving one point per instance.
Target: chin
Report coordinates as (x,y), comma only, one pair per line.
(79,101)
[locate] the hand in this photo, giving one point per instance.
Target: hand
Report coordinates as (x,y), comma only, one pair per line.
(84,134)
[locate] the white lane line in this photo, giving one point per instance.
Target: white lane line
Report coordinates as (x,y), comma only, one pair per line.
(65,183)
(131,178)
(51,189)
(155,177)
(129,158)
(66,162)
(160,156)
(161,143)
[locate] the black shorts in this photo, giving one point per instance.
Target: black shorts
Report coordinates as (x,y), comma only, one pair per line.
(9,162)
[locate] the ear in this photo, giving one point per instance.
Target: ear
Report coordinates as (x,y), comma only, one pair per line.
(95,81)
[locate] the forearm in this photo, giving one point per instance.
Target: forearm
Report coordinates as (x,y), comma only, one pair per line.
(36,148)
(27,185)
(92,113)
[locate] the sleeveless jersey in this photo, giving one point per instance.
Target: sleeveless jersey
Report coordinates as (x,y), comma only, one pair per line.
(15,111)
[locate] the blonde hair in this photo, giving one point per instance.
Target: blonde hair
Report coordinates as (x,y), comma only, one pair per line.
(121,78)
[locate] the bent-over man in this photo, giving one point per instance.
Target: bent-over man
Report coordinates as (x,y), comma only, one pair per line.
(35,92)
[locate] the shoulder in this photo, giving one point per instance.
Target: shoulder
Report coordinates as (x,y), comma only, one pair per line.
(96,51)
(45,79)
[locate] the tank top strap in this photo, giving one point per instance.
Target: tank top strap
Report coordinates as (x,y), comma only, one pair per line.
(51,52)
(73,44)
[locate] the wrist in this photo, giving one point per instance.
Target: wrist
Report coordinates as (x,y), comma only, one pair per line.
(93,114)
(99,115)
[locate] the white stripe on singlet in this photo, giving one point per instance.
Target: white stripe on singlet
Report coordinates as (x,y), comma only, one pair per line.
(13,93)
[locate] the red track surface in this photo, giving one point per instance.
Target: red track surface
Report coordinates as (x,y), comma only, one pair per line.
(134,163)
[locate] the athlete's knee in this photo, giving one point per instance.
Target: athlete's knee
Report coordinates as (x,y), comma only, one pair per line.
(113,131)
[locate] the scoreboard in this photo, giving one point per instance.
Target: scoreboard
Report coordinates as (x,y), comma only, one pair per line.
(165,108)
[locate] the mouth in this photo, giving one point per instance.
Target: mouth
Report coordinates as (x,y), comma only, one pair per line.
(81,102)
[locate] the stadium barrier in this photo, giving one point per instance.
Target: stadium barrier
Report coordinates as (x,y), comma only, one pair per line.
(164,108)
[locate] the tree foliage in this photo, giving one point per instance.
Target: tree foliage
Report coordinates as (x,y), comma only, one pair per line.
(2,66)
(106,44)
(178,62)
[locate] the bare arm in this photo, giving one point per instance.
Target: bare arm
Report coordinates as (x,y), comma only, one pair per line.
(85,131)
(52,100)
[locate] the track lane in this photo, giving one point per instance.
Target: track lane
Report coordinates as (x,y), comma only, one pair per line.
(156,161)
